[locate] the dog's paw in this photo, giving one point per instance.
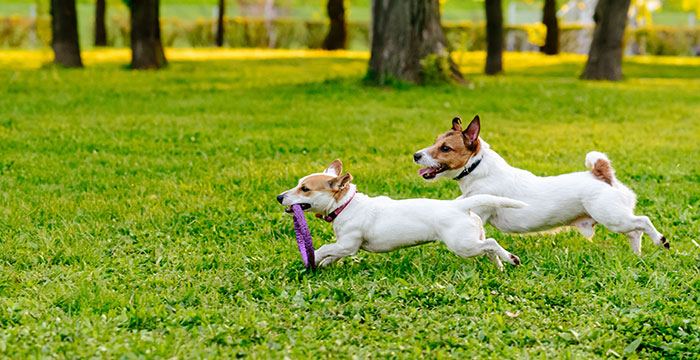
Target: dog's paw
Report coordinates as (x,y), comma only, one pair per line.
(514,260)
(328,260)
(665,242)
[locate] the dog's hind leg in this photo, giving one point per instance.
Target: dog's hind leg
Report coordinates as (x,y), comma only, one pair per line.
(493,247)
(585,224)
(621,220)
(495,259)
(488,247)
(635,238)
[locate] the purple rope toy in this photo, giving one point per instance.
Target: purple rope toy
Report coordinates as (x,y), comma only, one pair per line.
(306,244)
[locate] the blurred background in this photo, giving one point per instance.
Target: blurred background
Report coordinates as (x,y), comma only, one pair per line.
(656,27)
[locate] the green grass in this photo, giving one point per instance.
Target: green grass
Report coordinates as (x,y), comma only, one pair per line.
(138,215)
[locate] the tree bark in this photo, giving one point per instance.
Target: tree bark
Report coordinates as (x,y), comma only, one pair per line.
(100,29)
(337,34)
(549,19)
(64,29)
(605,55)
(220,24)
(404,32)
(494,37)
(146,46)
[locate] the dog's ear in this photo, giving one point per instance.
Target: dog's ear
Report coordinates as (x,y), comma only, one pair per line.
(335,168)
(456,124)
(472,132)
(340,182)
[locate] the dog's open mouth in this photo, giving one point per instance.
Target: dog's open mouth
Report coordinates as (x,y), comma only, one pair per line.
(304,206)
(431,172)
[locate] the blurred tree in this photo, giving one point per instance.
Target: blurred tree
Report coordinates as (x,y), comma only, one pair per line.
(549,19)
(146,46)
(64,31)
(220,24)
(100,30)
(605,56)
(494,37)
(405,35)
(337,34)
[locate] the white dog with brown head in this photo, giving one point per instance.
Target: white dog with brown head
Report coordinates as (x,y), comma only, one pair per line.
(579,199)
(380,224)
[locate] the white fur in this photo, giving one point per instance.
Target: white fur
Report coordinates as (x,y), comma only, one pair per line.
(381,224)
(574,199)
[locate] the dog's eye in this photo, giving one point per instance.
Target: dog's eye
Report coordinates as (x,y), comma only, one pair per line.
(304,189)
(444,148)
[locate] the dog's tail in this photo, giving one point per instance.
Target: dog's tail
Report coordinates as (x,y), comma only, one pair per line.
(490,201)
(600,167)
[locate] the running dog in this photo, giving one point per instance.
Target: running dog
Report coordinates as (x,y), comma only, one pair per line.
(579,199)
(380,224)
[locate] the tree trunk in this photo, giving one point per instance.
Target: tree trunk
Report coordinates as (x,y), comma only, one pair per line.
(146,46)
(64,29)
(337,34)
(100,30)
(605,55)
(549,19)
(404,32)
(494,37)
(220,24)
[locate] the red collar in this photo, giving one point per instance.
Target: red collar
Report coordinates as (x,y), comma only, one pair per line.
(330,217)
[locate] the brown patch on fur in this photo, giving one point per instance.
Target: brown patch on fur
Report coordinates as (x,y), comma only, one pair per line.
(461,150)
(319,182)
(337,166)
(456,124)
(336,186)
(603,171)
(340,185)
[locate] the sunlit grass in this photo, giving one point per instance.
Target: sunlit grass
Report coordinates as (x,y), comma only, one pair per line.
(33,59)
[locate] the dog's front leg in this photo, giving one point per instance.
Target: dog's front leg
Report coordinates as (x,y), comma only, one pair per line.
(347,245)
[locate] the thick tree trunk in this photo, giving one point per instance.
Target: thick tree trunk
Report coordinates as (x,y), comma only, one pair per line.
(549,19)
(605,55)
(220,24)
(64,28)
(494,37)
(100,29)
(337,34)
(404,32)
(146,46)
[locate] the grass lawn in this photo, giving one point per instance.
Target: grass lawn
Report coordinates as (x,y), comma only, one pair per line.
(138,218)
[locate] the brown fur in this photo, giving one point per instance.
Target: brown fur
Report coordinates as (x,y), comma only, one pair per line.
(337,166)
(603,171)
(340,185)
(336,186)
(319,182)
(461,149)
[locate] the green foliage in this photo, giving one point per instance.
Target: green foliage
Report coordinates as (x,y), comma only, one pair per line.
(435,70)
(138,216)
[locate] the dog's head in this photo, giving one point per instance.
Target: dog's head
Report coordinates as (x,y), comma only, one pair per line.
(319,192)
(451,150)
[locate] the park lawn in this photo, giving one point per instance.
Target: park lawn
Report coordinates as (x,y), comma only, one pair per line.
(138,218)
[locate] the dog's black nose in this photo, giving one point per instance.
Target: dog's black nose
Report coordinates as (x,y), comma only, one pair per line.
(280,197)
(417,156)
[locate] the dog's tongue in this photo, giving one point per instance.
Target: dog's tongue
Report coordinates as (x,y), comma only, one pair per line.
(424,171)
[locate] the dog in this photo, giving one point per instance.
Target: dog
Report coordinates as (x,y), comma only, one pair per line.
(580,199)
(380,224)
